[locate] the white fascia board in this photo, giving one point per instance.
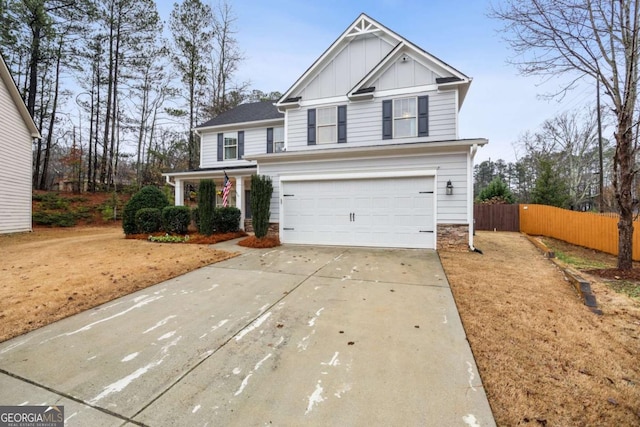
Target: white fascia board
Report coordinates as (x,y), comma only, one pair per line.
(406,90)
(324,101)
(377,70)
(373,151)
(210,173)
(359,175)
(240,125)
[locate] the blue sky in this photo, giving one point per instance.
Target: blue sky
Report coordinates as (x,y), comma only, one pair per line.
(282,38)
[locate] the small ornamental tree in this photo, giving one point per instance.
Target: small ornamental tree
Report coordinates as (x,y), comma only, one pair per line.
(261,191)
(496,192)
(147,197)
(206,207)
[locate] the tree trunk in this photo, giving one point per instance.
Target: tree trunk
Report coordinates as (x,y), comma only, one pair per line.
(623,185)
(107,116)
(54,109)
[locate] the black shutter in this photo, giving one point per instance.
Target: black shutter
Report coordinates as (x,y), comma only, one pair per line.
(387,119)
(423,116)
(342,123)
(240,144)
(269,140)
(311,126)
(220,142)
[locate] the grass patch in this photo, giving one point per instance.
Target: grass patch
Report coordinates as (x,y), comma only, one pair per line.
(578,262)
(630,289)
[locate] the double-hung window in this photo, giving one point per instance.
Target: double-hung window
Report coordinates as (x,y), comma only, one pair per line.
(327,125)
(278,139)
(230,146)
(405,118)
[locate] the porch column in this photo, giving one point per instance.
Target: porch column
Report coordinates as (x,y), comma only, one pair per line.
(240,199)
(179,192)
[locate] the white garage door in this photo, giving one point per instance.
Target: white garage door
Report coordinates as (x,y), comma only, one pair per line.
(388,212)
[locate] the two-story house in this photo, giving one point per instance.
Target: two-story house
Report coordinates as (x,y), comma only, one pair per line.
(363,148)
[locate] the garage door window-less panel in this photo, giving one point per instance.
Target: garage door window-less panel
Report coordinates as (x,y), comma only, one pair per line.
(384,212)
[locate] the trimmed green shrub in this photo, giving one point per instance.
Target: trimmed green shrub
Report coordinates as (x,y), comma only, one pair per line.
(147,197)
(176,219)
(148,220)
(206,206)
(227,220)
(261,191)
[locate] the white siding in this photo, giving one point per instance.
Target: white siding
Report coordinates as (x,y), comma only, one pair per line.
(15,167)
(255,142)
(403,74)
(364,123)
(451,209)
(348,67)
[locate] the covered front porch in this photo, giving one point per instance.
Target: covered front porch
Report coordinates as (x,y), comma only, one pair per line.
(185,185)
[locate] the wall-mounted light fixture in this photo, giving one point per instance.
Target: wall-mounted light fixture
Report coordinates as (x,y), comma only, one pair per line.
(449,188)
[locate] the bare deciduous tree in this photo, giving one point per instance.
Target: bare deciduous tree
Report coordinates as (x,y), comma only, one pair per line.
(596,38)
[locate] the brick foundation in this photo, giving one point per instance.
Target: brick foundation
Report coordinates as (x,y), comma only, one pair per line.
(453,237)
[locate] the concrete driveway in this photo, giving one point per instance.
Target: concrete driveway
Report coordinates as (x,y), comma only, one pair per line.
(288,336)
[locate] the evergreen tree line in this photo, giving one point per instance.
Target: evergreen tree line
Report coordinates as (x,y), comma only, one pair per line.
(560,166)
(113,98)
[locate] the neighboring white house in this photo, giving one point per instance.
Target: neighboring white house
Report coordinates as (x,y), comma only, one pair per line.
(363,148)
(17,131)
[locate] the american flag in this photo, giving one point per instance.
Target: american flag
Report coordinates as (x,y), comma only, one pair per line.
(225,190)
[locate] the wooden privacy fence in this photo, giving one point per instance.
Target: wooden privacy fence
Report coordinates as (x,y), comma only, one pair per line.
(591,230)
(496,217)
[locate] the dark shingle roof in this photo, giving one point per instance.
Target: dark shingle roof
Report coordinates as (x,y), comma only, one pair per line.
(251,112)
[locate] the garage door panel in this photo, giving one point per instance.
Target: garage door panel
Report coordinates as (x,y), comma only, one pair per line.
(373,212)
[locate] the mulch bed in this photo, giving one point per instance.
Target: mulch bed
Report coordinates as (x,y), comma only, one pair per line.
(196,238)
(262,243)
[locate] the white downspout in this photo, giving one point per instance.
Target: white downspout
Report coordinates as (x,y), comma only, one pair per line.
(472,154)
(200,142)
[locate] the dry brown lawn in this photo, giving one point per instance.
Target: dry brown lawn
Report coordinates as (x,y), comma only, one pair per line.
(53,273)
(544,358)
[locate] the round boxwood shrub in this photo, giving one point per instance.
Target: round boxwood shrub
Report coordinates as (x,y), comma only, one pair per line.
(176,219)
(148,220)
(226,220)
(147,197)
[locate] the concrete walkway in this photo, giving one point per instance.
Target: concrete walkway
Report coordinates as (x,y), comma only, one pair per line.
(288,336)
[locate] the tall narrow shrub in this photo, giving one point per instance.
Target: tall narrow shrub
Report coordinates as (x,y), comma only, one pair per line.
(206,206)
(261,191)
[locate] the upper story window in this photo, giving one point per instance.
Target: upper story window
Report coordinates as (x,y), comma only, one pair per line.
(327,126)
(278,139)
(405,118)
(230,146)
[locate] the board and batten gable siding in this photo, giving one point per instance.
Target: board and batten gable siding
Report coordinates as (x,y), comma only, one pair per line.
(364,122)
(451,209)
(404,74)
(348,67)
(15,167)
(255,142)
